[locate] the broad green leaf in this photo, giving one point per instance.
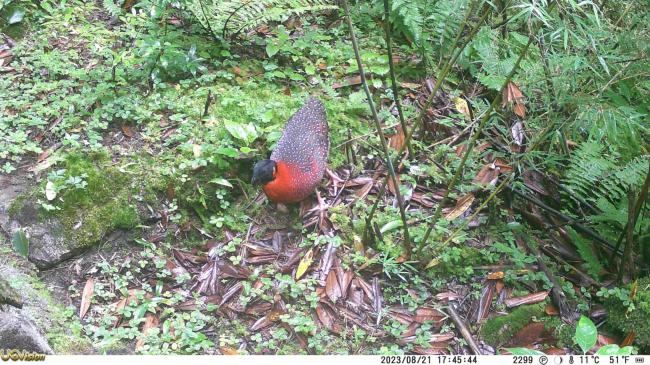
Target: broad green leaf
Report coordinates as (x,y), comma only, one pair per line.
(243,131)
(20,243)
(16,17)
(391,226)
(271,49)
(227,151)
(524,351)
(614,350)
(586,334)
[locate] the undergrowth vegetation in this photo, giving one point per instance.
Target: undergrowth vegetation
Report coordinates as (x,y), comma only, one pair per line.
(519,137)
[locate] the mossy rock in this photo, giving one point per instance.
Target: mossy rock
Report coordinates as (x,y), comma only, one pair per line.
(9,295)
(634,318)
(497,331)
(83,216)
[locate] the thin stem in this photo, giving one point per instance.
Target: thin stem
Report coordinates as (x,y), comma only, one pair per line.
(439,80)
(396,97)
(382,138)
(478,210)
(470,146)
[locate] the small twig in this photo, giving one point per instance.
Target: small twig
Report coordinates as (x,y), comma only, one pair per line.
(208,101)
(464,331)
(382,138)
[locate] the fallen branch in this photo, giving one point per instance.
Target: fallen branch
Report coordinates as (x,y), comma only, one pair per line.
(570,221)
(464,331)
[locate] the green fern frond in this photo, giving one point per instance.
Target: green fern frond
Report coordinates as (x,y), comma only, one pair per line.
(113,9)
(594,266)
(237,16)
(407,18)
(593,174)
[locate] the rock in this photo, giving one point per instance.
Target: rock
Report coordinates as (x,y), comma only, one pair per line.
(47,243)
(17,332)
(9,295)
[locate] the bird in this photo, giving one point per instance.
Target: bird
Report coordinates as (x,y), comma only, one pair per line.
(299,160)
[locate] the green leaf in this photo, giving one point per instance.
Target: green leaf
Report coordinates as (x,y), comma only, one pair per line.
(390,226)
(227,151)
(524,351)
(272,48)
(310,69)
(245,132)
(221,181)
(16,17)
(614,350)
(20,243)
(586,334)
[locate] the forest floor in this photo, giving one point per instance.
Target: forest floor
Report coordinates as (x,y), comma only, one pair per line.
(130,182)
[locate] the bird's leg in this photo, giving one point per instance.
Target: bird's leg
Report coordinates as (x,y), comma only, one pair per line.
(283,208)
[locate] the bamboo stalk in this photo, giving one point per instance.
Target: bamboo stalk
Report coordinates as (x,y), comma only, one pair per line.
(382,138)
(470,145)
(443,74)
(393,78)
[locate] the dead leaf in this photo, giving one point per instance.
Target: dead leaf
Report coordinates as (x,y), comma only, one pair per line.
(629,339)
(496,275)
(462,107)
(485,301)
(332,287)
(86,297)
(150,322)
(391,186)
(519,109)
(517,131)
(266,321)
(511,94)
(348,81)
(363,192)
(396,142)
(488,175)
(327,318)
(345,278)
(304,264)
(425,314)
(527,299)
(502,165)
(534,180)
(462,205)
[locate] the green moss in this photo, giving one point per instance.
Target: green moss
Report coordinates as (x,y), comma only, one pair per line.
(17,204)
(562,332)
(103,205)
(635,317)
(498,330)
